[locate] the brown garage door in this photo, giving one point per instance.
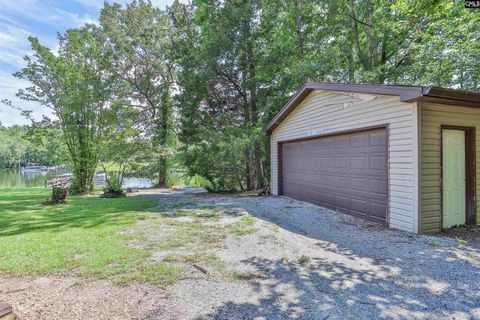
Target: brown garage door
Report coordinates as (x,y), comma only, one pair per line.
(346,172)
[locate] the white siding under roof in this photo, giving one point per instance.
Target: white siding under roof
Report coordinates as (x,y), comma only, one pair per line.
(326,112)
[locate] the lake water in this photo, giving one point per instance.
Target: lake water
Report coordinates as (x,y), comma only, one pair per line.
(12,178)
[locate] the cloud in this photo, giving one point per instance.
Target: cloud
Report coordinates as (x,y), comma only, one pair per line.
(41,18)
(9,85)
(20,19)
(72,20)
(98,4)
(16,26)
(42,12)
(13,44)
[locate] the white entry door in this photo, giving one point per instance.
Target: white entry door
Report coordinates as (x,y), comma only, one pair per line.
(453,177)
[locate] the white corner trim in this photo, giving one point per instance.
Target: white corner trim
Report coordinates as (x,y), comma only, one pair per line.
(416,167)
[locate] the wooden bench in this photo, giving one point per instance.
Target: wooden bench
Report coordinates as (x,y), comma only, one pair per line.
(6,312)
(59,181)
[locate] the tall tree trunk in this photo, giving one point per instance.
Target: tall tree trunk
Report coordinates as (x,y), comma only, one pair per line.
(162,172)
(163,132)
(298,29)
(247,152)
(83,175)
(356,37)
(351,63)
(370,44)
(257,149)
(248,170)
(84,163)
(260,179)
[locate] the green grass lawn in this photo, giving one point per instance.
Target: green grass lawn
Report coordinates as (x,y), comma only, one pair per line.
(83,237)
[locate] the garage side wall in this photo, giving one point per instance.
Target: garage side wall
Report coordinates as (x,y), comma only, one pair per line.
(327,112)
(432,117)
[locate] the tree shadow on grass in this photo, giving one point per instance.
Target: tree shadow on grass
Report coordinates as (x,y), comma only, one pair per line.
(23,212)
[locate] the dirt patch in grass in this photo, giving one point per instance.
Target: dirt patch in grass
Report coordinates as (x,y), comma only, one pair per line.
(188,234)
(228,257)
(72,298)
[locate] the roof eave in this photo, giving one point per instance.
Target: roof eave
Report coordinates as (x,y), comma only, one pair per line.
(292,103)
(406,94)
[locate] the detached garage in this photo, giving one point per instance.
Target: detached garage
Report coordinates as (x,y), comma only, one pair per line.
(404,156)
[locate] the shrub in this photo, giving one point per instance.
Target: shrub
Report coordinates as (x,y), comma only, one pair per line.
(113,188)
(199,181)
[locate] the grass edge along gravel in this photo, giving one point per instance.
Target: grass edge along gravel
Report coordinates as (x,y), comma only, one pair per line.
(84,238)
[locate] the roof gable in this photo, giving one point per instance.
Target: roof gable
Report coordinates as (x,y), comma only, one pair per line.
(406,94)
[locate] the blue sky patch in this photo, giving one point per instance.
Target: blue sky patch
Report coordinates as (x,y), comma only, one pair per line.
(20,19)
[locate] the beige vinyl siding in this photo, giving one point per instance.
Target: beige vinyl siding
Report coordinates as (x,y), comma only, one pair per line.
(432,117)
(324,112)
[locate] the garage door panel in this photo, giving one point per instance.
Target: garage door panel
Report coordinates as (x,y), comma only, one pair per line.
(377,139)
(357,162)
(341,144)
(378,209)
(360,140)
(358,183)
(346,172)
(378,187)
(359,205)
(378,163)
(341,162)
(342,182)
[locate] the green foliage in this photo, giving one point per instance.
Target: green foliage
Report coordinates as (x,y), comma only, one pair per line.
(198,181)
(303,259)
(239,62)
(219,74)
(41,143)
(181,179)
(77,85)
(195,85)
(218,160)
(113,188)
(13,146)
(139,45)
(47,146)
(126,155)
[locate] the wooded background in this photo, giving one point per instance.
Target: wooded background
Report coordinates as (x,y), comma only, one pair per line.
(193,86)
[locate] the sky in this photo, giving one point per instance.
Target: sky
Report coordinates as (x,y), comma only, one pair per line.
(20,19)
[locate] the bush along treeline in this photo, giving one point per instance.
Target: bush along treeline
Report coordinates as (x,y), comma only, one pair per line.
(194,85)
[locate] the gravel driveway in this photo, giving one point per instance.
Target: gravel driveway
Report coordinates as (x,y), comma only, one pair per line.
(308,262)
(268,258)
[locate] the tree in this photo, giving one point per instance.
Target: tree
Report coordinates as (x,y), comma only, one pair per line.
(126,154)
(137,37)
(77,85)
(218,101)
(47,146)
(13,146)
(449,50)
(203,79)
